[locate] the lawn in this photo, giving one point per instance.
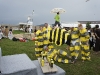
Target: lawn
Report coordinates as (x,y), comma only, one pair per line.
(18,31)
(92,67)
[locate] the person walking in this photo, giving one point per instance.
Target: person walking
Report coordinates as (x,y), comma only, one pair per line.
(57,19)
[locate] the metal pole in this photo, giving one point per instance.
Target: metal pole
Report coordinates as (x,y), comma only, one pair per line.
(32,15)
(94,17)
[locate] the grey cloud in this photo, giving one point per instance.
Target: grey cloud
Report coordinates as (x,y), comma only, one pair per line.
(15,11)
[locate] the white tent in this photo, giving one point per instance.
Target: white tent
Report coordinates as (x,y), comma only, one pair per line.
(71,25)
(75,24)
(21,23)
(30,24)
(93,25)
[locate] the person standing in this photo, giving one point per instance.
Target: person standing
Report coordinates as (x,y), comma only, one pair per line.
(3,30)
(35,30)
(6,31)
(1,34)
(30,31)
(90,31)
(84,39)
(46,30)
(93,39)
(57,19)
(97,35)
(26,29)
(74,44)
(39,42)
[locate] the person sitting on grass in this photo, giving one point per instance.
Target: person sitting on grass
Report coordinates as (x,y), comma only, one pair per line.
(1,34)
(10,34)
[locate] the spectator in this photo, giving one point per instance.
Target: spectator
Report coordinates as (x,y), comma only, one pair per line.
(97,44)
(30,31)
(1,34)
(90,31)
(3,30)
(35,30)
(10,34)
(25,29)
(6,31)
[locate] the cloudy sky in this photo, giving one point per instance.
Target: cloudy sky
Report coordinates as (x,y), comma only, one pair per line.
(15,11)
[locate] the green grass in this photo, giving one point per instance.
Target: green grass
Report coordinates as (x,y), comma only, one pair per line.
(18,32)
(92,67)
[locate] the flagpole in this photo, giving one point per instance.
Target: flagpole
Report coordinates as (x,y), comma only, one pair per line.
(32,15)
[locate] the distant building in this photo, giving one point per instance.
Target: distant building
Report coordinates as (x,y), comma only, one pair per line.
(42,25)
(22,25)
(92,22)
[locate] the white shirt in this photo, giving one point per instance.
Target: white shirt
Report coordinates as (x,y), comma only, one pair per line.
(10,35)
(1,35)
(29,30)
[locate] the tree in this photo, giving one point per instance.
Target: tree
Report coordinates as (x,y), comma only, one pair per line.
(88,26)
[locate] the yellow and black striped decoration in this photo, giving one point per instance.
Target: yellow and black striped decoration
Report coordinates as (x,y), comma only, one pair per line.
(58,36)
(42,40)
(38,43)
